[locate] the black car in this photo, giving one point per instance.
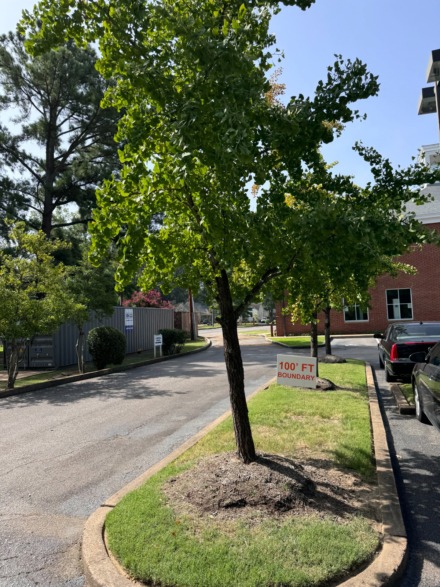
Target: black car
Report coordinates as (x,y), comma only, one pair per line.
(400,341)
(426,385)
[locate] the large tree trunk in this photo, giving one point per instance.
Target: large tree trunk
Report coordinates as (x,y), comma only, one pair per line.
(50,173)
(327,333)
(314,339)
(191,315)
(314,336)
(284,319)
(12,361)
(235,371)
(80,350)
(14,355)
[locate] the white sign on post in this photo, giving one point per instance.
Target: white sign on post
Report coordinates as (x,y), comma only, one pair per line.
(158,342)
(296,371)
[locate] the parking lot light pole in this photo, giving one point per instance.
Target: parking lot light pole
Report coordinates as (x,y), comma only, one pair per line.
(430,99)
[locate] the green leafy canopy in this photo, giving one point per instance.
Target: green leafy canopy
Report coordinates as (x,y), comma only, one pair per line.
(33,296)
(56,142)
(197,128)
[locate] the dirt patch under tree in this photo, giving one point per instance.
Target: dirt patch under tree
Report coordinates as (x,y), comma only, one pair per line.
(224,488)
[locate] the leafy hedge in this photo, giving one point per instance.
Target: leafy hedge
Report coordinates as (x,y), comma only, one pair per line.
(107,345)
(173,340)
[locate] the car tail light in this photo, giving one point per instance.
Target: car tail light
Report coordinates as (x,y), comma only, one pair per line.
(394,353)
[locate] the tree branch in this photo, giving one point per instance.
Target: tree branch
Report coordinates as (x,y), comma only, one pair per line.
(265,278)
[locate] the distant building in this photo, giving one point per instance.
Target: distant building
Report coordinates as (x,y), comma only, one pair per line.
(404,297)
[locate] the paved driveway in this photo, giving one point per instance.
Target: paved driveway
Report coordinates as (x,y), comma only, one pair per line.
(63,451)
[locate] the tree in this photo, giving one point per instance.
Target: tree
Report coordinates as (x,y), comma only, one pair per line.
(33,296)
(77,237)
(93,289)
(197,127)
(60,145)
(178,295)
(149,299)
(358,242)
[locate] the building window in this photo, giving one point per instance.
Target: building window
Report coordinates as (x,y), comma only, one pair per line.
(355,313)
(399,304)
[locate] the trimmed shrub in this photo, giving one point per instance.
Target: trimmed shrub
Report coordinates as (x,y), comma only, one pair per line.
(173,340)
(107,346)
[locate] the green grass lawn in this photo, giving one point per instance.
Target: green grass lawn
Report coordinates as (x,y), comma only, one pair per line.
(131,359)
(253,331)
(408,392)
(160,547)
(217,325)
(295,341)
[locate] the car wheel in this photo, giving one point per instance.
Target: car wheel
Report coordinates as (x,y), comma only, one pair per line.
(388,377)
(381,365)
(420,414)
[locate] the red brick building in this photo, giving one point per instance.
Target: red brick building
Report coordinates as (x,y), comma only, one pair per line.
(404,297)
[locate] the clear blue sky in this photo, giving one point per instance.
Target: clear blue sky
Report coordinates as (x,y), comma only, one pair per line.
(395,39)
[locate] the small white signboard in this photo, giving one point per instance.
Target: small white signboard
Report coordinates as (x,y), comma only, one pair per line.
(296,371)
(158,342)
(128,319)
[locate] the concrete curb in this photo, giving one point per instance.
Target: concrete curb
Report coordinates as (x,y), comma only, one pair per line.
(385,570)
(403,406)
(94,374)
(389,564)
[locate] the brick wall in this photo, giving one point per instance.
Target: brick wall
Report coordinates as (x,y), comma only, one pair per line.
(425,289)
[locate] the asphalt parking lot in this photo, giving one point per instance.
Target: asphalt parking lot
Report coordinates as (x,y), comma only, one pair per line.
(415,449)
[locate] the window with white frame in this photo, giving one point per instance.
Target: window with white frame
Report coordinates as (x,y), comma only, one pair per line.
(355,313)
(399,304)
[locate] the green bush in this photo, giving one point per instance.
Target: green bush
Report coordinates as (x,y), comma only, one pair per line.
(173,340)
(107,346)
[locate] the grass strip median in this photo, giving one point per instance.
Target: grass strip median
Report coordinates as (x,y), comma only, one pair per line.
(306,519)
(294,341)
(408,392)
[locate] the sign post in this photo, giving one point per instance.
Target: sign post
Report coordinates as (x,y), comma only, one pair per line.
(296,371)
(158,342)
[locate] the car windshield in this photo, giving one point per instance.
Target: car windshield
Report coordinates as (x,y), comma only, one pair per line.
(417,331)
